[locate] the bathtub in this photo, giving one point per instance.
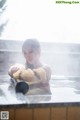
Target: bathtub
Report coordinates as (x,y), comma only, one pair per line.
(62,104)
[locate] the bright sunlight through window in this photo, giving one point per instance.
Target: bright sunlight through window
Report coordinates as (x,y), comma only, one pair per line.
(42,19)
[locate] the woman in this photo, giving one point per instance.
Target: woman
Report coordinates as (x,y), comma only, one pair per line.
(32,51)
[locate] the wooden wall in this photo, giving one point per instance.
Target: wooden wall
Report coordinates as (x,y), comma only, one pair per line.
(53,113)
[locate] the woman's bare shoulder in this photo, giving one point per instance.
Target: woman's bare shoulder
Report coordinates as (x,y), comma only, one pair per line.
(46,66)
(48,70)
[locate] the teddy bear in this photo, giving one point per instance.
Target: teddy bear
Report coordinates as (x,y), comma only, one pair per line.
(27,77)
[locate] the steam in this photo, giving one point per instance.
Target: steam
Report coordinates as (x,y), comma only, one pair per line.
(10,97)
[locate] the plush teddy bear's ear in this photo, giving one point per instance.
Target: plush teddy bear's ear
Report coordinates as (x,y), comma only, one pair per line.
(40,73)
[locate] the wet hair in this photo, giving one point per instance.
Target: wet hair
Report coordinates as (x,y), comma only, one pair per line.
(32,43)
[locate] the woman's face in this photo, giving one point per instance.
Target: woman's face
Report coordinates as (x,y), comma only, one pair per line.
(31,55)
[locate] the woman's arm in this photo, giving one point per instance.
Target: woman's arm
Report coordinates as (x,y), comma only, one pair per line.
(48,72)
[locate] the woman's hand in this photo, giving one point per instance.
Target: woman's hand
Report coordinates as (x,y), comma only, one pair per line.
(15,68)
(12,70)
